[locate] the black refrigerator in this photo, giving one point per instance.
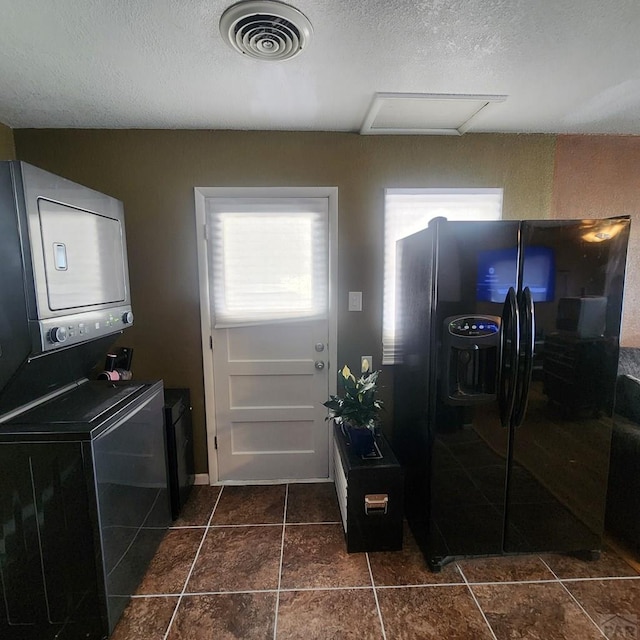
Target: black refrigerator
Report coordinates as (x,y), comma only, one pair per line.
(507,336)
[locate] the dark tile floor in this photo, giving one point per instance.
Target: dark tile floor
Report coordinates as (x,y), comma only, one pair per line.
(269,562)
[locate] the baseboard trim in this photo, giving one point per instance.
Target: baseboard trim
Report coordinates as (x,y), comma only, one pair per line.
(201,478)
(275,481)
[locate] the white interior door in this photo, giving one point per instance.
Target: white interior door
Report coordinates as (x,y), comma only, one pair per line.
(269,291)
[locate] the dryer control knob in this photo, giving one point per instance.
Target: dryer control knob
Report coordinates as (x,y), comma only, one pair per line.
(58,334)
(127,318)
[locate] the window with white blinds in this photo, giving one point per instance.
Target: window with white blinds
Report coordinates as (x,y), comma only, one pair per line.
(408,211)
(269,259)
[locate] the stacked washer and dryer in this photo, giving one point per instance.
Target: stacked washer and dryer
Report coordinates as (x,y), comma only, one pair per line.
(83,477)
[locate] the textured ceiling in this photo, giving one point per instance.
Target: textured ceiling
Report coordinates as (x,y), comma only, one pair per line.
(565,65)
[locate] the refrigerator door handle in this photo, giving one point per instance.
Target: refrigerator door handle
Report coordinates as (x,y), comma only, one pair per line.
(509,357)
(528,350)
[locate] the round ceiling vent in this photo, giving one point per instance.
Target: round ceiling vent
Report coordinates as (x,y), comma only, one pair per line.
(265,29)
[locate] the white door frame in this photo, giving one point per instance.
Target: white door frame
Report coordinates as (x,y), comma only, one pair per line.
(201,193)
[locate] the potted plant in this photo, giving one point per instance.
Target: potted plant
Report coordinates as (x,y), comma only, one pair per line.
(357,410)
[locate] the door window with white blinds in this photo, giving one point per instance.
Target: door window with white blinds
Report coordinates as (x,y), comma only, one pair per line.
(269,259)
(408,211)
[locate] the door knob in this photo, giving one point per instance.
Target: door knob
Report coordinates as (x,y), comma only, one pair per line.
(318,364)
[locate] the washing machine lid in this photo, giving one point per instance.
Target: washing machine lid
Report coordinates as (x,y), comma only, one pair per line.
(84,404)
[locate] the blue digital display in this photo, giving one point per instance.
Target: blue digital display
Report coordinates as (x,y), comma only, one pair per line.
(474,326)
(497,271)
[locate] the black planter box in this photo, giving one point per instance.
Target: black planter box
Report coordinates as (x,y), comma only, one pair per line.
(371,496)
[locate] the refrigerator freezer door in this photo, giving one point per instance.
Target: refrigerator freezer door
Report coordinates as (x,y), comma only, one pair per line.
(476,265)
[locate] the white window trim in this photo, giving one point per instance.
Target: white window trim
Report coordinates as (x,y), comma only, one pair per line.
(454,204)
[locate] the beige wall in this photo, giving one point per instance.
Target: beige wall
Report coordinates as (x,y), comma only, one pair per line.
(7,146)
(154,173)
(598,177)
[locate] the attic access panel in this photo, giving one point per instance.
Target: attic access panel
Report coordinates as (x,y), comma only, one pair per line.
(425,113)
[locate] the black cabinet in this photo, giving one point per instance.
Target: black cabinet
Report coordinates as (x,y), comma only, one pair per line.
(370,495)
(179,435)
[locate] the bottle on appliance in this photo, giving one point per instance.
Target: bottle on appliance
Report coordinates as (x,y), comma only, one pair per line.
(117,365)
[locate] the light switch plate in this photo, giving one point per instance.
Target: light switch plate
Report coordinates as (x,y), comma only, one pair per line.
(355,300)
(366,364)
